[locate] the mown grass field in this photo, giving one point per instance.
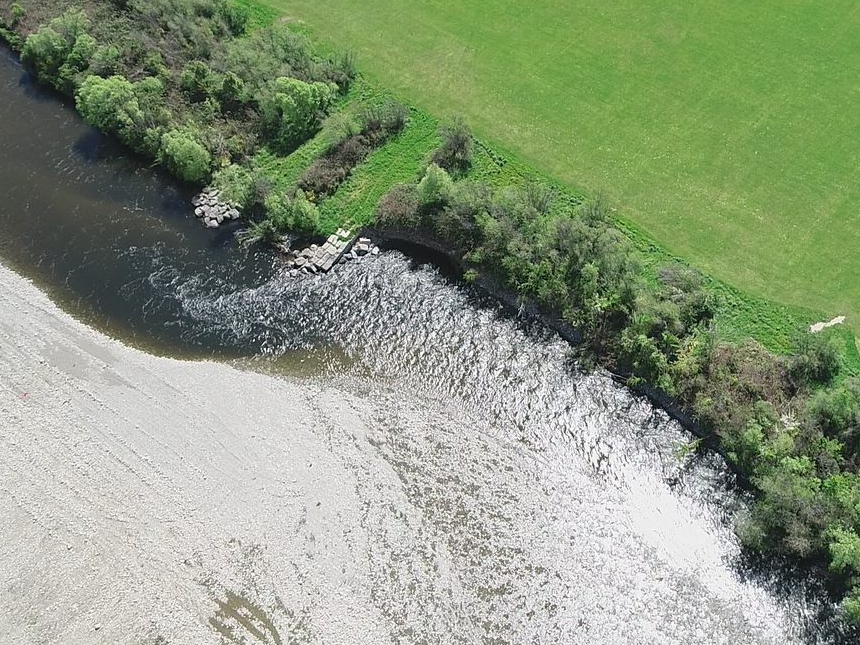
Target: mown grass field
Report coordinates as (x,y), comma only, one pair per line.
(724,130)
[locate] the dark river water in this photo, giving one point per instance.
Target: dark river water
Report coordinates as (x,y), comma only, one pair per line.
(593,530)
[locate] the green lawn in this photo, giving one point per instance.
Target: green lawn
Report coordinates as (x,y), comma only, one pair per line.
(727,130)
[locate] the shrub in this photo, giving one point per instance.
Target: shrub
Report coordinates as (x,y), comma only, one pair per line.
(816,361)
(455,153)
(261,187)
(263,232)
(18,14)
(236,185)
(399,206)
(328,172)
(844,550)
(340,70)
(851,606)
(184,156)
(338,127)
(292,111)
(292,215)
(386,119)
(435,187)
(276,52)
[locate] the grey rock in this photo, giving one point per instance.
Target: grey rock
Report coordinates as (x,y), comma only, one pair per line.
(212,223)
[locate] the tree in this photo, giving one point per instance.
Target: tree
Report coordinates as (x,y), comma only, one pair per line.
(816,360)
(292,111)
(231,93)
(184,156)
(235,16)
(435,186)
(196,81)
(844,550)
(110,104)
(61,51)
(851,606)
(455,153)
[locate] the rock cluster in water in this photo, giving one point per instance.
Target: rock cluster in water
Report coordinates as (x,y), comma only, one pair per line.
(211,210)
(338,248)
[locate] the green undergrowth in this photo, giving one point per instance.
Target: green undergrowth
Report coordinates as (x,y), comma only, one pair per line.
(400,159)
(259,15)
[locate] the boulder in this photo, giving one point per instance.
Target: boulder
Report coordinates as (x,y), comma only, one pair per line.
(199,212)
(211,223)
(374,250)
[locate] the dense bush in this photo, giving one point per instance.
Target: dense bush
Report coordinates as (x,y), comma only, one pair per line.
(816,361)
(231,93)
(382,121)
(279,52)
(235,16)
(836,413)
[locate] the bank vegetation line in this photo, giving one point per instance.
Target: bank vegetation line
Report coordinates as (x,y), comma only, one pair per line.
(221,92)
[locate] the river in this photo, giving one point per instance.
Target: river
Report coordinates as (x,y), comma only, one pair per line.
(544,505)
